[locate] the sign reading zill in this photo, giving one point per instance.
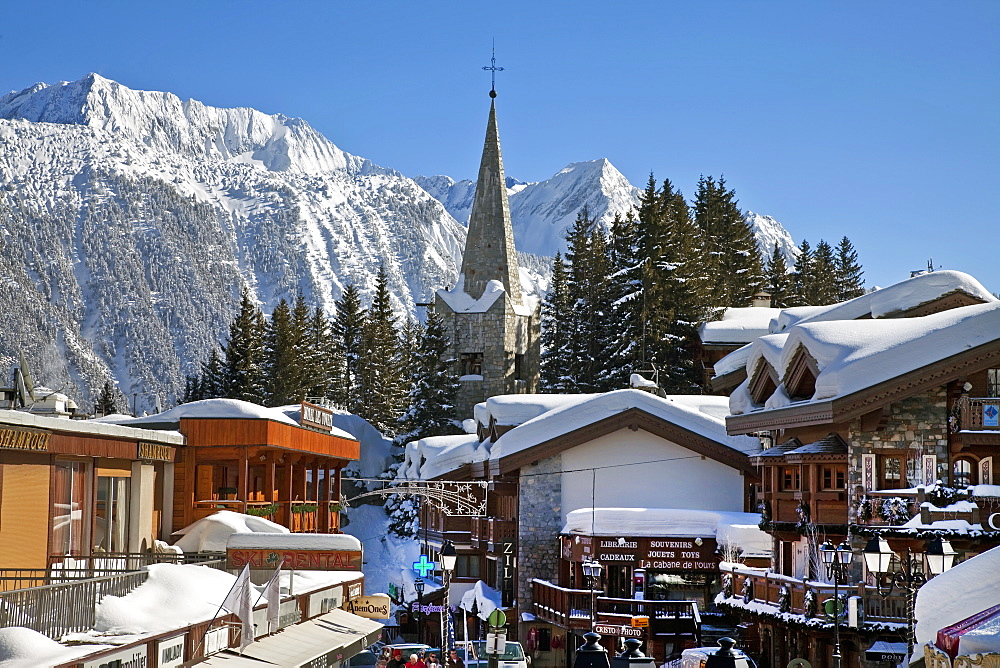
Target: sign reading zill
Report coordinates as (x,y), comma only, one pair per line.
(317,416)
(300,560)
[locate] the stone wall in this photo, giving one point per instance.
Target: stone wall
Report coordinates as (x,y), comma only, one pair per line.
(917,425)
(539,523)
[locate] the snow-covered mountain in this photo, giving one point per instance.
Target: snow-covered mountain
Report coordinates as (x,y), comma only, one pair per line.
(130,221)
(769,232)
(542,212)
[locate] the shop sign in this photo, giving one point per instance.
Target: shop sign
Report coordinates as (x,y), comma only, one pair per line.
(372,607)
(354,590)
(133,657)
(619,631)
(216,640)
(289,613)
(428,609)
(170,652)
(317,416)
(300,560)
(682,553)
(156,452)
(640,622)
(15,438)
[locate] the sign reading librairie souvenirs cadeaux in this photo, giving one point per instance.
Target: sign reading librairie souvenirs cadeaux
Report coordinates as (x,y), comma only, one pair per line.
(677,553)
(299,551)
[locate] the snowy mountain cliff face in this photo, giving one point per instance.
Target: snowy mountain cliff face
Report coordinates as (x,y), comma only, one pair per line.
(130,221)
(768,232)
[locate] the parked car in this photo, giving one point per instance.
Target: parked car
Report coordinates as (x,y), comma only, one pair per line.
(363,659)
(513,655)
(697,657)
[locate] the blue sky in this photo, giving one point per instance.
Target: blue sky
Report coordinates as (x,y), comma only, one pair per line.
(876,120)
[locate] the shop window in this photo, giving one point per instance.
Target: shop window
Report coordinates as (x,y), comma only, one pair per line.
(834,477)
(111,525)
(789,478)
(69,493)
(963,473)
(472,364)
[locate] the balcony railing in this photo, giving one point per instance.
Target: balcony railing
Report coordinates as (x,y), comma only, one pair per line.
(888,508)
(779,590)
(971,413)
(493,530)
(109,563)
(290,514)
(570,609)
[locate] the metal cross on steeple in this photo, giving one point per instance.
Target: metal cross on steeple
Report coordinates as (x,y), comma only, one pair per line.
(493,69)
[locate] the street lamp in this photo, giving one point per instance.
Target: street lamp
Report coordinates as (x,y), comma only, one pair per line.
(939,556)
(592,571)
(449,557)
(837,561)
(418,585)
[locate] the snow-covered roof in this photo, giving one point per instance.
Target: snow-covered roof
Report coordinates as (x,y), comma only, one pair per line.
(739,325)
(978,580)
(460,301)
(482,599)
(91,427)
(734,361)
(514,409)
(853,355)
(211,534)
(701,414)
(731,528)
(887,301)
(433,456)
(283,540)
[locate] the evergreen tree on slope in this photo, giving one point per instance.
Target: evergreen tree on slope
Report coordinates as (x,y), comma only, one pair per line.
(802,276)
(626,293)
(556,331)
(777,282)
(348,328)
(848,272)
(243,354)
(379,370)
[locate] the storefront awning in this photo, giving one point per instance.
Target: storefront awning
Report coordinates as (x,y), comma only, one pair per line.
(327,640)
(882,651)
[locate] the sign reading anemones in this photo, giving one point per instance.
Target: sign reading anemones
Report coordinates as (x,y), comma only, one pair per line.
(299,551)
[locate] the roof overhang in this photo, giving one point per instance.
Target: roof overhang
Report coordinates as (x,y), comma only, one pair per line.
(634,419)
(848,407)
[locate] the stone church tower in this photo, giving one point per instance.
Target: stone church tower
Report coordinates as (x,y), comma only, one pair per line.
(494,328)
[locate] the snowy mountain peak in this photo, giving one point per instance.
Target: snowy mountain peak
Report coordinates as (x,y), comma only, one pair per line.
(164,123)
(769,232)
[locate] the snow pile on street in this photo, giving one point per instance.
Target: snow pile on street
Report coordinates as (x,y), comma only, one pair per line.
(701,414)
(211,534)
(739,325)
(729,528)
(481,598)
(436,455)
(958,593)
(24,648)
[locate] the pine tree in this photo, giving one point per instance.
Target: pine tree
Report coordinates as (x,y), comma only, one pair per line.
(733,258)
(106,404)
(379,371)
(243,354)
(348,327)
(587,283)
(321,356)
(433,386)
(626,292)
(279,343)
(823,283)
(802,276)
(849,283)
(776,278)
(213,378)
(557,317)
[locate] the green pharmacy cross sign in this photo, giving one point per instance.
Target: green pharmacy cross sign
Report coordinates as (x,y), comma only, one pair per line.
(423,567)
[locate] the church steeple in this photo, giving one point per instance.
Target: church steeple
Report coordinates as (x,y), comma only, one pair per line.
(489,248)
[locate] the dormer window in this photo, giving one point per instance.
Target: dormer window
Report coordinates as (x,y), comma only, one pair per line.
(800,379)
(764,382)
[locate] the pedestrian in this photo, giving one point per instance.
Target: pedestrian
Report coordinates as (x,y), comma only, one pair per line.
(397,659)
(415,662)
(454,660)
(432,661)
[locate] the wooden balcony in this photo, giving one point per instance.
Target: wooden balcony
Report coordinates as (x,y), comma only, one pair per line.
(971,413)
(570,609)
(491,530)
(825,506)
(771,588)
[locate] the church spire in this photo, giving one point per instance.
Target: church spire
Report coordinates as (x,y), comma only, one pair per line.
(489,248)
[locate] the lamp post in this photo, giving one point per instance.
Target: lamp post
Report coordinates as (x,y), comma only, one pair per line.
(837,560)
(449,557)
(938,555)
(592,570)
(418,585)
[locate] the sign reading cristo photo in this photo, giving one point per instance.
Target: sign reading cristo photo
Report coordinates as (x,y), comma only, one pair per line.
(299,551)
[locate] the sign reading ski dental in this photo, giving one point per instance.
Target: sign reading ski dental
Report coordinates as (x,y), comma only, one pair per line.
(317,417)
(298,551)
(677,553)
